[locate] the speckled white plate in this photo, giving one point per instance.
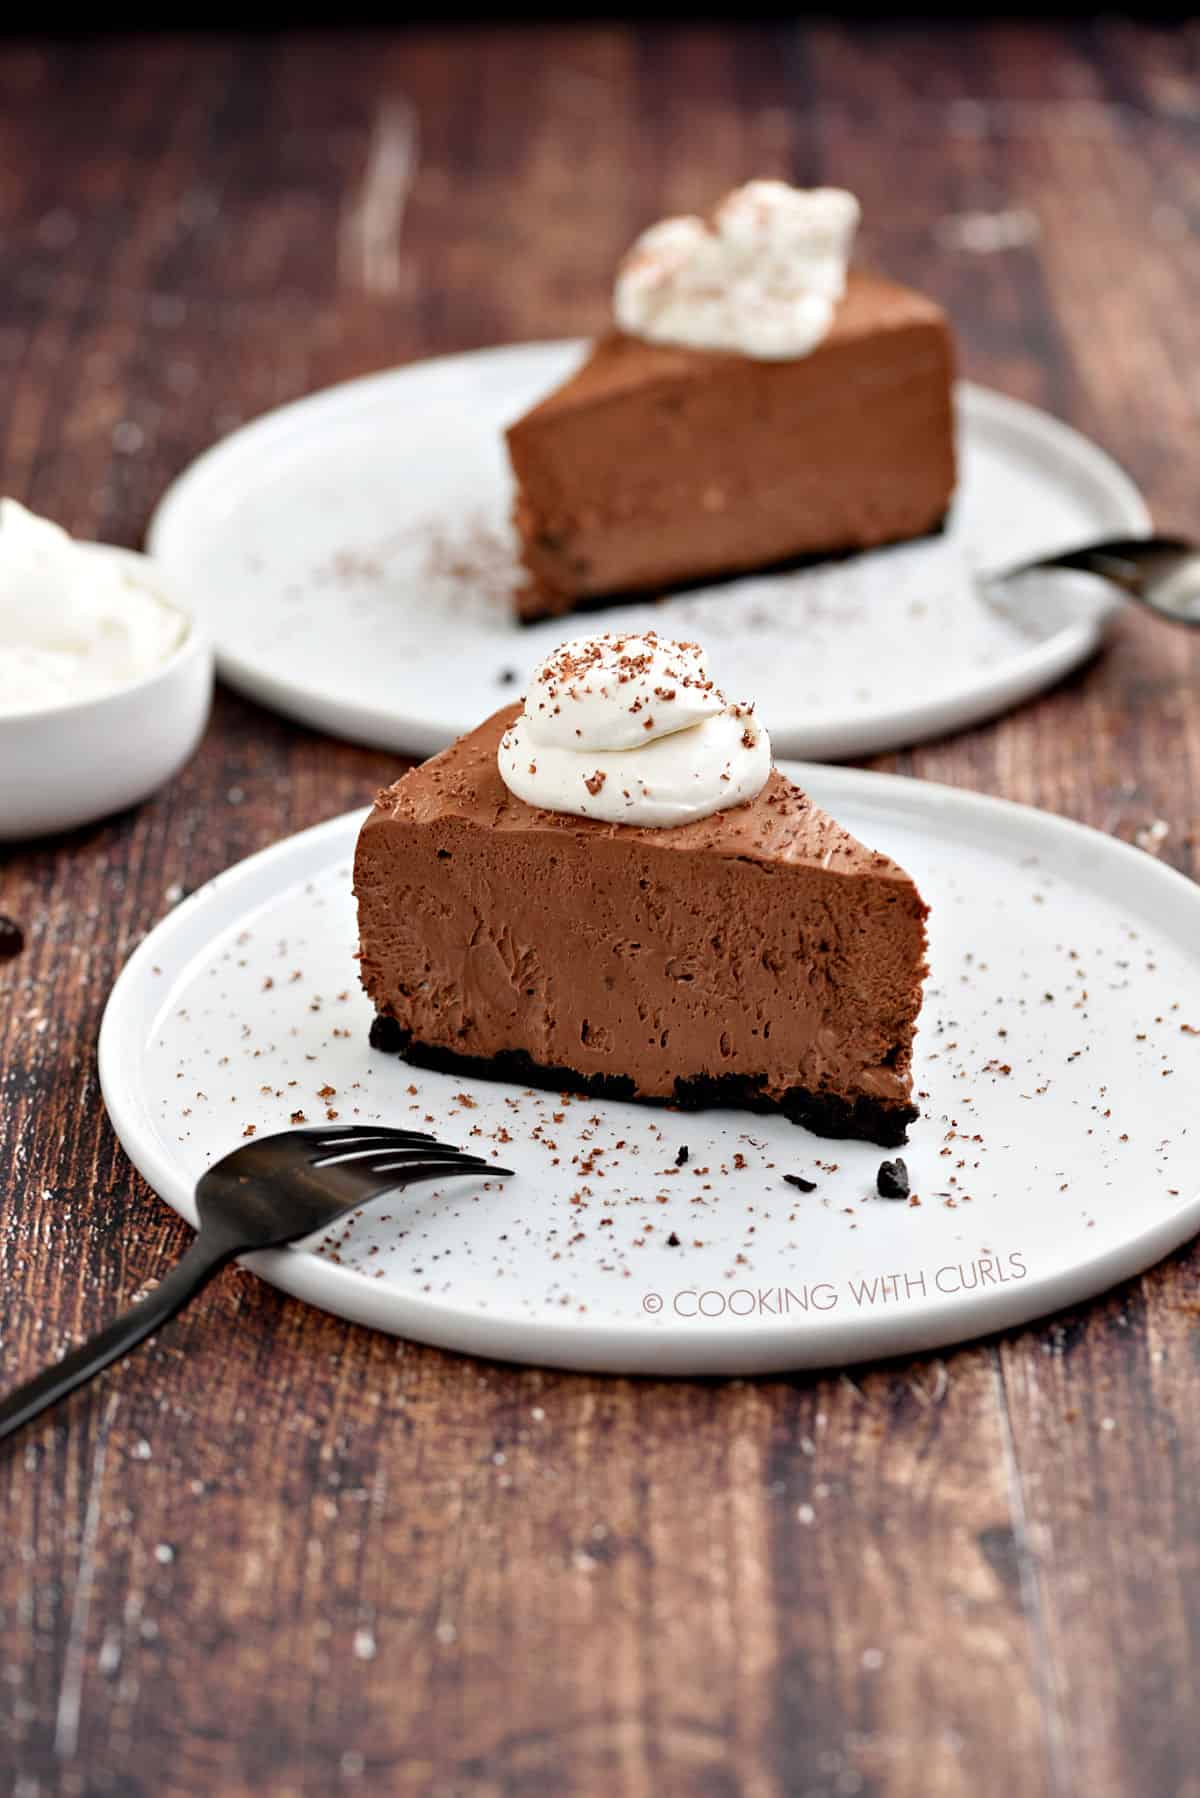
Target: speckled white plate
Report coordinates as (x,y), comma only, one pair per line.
(1059,1059)
(352,559)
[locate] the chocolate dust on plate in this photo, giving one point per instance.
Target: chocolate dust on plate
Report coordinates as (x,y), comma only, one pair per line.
(467,559)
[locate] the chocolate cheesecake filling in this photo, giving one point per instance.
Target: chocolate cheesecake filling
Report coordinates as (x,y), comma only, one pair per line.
(760,957)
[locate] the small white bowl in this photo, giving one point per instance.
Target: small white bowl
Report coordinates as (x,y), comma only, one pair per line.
(71,764)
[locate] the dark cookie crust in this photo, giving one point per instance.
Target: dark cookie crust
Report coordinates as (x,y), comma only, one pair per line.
(825,1114)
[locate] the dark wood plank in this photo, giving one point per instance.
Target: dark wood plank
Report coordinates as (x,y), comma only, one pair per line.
(279,1553)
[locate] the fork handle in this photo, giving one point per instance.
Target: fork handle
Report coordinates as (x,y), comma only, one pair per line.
(205,1258)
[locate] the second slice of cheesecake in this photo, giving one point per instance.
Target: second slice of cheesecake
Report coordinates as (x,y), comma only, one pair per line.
(656,464)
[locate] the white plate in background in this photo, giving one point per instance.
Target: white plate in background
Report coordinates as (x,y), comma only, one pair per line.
(351,557)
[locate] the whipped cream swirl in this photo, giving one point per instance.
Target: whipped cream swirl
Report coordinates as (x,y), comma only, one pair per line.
(74,624)
(632,730)
(762,277)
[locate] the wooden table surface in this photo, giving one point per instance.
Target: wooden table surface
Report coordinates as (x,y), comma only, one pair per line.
(278,1554)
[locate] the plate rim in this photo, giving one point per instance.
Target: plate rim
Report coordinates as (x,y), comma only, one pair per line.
(611,1346)
(1031,671)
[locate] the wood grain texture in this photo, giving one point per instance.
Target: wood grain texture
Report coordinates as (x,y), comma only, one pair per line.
(278,1554)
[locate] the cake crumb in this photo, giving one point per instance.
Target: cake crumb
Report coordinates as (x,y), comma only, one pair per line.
(891,1182)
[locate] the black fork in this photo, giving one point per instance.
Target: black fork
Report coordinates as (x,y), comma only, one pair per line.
(266,1194)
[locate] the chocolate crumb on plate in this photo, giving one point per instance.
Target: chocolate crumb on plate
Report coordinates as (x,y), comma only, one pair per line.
(891,1182)
(672,1241)
(12,938)
(682,1155)
(801,1182)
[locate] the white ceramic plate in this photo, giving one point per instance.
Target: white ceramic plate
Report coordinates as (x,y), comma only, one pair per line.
(1059,1054)
(352,558)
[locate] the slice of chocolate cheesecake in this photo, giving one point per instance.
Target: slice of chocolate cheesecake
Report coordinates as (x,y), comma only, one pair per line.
(657,465)
(755,957)
(757,403)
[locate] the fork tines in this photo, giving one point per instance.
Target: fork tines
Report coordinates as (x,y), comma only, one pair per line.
(361,1137)
(382,1150)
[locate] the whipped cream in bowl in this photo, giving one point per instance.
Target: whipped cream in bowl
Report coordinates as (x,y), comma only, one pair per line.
(105,679)
(73,625)
(631,729)
(762,276)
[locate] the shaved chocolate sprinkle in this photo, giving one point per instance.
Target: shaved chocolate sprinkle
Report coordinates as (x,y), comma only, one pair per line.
(801,1182)
(672,1241)
(681,1157)
(12,938)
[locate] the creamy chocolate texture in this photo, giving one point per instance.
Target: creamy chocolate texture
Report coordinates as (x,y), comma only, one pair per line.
(760,956)
(656,465)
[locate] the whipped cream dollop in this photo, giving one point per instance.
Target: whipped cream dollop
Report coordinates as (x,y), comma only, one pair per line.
(74,624)
(763,276)
(631,729)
